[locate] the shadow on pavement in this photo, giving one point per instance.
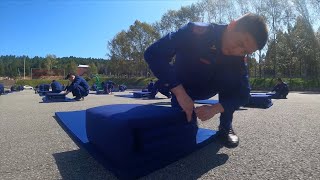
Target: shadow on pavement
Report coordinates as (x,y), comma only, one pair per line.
(77,164)
(309,92)
(193,166)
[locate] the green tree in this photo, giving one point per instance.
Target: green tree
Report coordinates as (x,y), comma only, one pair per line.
(130,45)
(307,48)
(2,70)
(50,61)
(218,11)
(119,47)
(174,19)
(71,67)
(93,68)
(141,35)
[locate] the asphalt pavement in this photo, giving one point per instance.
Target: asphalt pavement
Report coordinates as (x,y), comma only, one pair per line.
(282,142)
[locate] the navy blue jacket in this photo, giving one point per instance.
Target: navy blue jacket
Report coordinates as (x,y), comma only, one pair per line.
(56,86)
(281,88)
(200,65)
(150,86)
(79,81)
(1,88)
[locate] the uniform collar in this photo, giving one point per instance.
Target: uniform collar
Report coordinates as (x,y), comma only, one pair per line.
(217,36)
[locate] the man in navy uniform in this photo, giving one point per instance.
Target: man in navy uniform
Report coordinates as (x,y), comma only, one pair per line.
(94,87)
(79,87)
(150,86)
(46,87)
(1,89)
(159,87)
(281,89)
(209,60)
(122,87)
(56,87)
(110,86)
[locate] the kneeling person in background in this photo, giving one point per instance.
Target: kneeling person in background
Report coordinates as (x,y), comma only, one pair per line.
(79,87)
(281,89)
(56,86)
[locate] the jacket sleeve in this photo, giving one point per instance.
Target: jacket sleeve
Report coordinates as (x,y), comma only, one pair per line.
(232,100)
(161,53)
(276,87)
(75,84)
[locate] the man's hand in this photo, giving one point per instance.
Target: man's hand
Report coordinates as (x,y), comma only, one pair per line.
(206,112)
(184,101)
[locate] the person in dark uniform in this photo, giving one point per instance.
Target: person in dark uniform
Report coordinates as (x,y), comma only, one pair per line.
(150,86)
(79,87)
(159,87)
(94,87)
(56,87)
(46,87)
(281,89)
(104,87)
(209,60)
(13,88)
(20,88)
(122,88)
(110,86)
(1,88)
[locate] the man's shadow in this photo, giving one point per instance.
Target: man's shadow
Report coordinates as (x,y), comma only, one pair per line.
(194,165)
(78,164)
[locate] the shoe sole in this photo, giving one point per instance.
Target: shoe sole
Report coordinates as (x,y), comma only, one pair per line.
(82,99)
(225,143)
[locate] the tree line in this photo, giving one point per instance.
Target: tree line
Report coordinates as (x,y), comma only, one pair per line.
(292,50)
(14,66)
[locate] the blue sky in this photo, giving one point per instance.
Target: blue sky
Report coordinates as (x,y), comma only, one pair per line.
(79,28)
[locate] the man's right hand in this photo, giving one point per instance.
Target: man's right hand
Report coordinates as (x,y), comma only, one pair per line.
(184,100)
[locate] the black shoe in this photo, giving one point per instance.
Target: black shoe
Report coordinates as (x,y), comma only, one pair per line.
(228,138)
(78,98)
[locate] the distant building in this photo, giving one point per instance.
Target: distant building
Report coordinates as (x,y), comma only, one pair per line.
(82,69)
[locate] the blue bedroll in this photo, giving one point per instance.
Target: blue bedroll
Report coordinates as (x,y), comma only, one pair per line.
(1,89)
(140,94)
(133,140)
(207,101)
(56,97)
(43,93)
(259,101)
(43,89)
(100,92)
(271,94)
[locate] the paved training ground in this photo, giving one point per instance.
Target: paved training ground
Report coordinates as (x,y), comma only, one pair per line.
(282,142)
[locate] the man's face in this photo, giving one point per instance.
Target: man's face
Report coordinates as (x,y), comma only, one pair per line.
(71,78)
(238,43)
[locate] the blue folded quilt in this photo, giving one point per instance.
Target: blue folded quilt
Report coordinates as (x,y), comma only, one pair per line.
(133,140)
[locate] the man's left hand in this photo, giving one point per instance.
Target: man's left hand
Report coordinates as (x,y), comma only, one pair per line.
(206,112)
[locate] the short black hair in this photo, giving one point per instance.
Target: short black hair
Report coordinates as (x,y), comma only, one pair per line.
(69,75)
(256,26)
(279,79)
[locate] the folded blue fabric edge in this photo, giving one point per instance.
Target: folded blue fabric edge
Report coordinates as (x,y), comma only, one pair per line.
(73,123)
